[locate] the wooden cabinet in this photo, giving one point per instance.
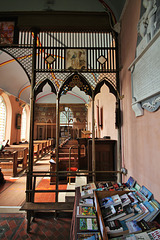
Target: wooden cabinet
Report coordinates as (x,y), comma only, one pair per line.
(105,157)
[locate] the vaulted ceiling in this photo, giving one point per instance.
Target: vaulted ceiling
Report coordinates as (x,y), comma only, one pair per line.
(13,79)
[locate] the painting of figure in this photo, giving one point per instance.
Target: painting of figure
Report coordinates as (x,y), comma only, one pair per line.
(76,59)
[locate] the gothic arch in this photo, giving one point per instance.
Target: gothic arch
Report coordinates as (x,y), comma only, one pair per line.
(106,81)
(73,80)
(39,87)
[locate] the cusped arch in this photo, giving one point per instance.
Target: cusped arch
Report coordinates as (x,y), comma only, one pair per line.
(39,87)
(106,81)
(73,80)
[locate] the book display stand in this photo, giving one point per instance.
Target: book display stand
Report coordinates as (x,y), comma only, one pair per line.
(118,215)
(98,195)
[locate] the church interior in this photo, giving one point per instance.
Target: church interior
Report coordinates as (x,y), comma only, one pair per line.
(84,108)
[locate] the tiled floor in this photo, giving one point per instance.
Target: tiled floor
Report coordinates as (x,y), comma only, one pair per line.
(13,225)
(45,226)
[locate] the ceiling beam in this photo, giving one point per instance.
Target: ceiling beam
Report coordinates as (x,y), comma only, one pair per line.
(59,21)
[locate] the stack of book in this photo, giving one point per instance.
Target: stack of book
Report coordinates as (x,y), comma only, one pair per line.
(131,214)
(86,215)
(152,235)
(128,214)
(87,190)
(110,186)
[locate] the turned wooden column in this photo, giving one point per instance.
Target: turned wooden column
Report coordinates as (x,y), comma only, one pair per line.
(57,143)
(93,141)
(32,107)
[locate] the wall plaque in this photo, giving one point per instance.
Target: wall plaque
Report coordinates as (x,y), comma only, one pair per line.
(145,69)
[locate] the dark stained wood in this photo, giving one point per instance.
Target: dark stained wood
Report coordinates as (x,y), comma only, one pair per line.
(74,227)
(105,157)
(22,154)
(31,208)
(59,206)
(82,156)
(100,218)
(8,159)
(61,21)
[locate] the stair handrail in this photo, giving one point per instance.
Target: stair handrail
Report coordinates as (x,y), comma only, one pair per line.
(70,159)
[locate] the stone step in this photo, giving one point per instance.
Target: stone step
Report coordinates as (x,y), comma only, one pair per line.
(70,196)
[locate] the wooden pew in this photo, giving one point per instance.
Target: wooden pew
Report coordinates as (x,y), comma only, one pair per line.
(42,146)
(74,155)
(21,147)
(64,160)
(22,154)
(40,149)
(64,163)
(66,149)
(70,143)
(45,146)
(36,151)
(8,160)
(52,143)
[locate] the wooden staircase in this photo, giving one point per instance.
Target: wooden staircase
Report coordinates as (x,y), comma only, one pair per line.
(70,148)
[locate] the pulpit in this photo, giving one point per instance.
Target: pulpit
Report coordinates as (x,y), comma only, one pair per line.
(105,157)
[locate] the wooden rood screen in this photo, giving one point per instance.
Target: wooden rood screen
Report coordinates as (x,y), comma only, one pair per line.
(64,59)
(58,54)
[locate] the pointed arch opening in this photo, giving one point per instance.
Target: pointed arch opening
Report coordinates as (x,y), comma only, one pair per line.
(39,86)
(3,113)
(23,124)
(73,80)
(77,118)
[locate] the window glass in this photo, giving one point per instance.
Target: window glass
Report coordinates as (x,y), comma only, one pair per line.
(2,119)
(66,117)
(23,124)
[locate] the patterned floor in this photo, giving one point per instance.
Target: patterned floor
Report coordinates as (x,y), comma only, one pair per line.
(45,226)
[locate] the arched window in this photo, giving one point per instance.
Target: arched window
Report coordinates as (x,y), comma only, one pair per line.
(66,117)
(2,119)
(23,124)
